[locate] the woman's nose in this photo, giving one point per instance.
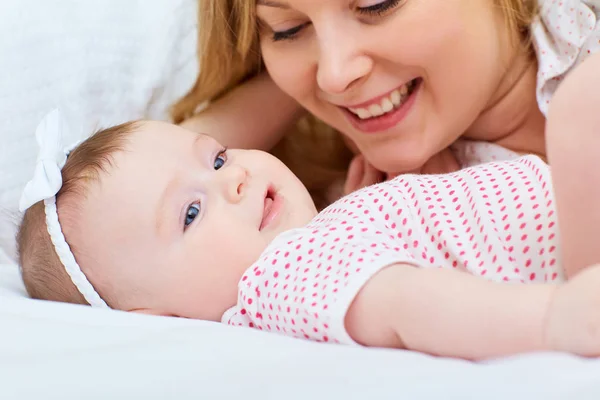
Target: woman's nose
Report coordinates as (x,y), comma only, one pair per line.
(341,63)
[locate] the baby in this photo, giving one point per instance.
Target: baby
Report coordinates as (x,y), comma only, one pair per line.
(164,221)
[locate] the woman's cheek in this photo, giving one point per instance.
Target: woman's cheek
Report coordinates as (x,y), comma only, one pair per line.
(288,69)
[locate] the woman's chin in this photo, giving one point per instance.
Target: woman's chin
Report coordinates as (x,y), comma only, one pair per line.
(394,163)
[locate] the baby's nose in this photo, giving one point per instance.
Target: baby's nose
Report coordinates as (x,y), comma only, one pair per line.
(236,178)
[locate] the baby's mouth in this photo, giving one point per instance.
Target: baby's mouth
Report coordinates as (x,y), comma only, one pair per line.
(271,207)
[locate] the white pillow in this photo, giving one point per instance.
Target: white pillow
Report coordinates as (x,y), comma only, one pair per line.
(102,62)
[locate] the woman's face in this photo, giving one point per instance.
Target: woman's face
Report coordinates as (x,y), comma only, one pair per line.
(402,78)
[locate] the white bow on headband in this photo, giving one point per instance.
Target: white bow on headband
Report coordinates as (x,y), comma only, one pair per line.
(47,177)
(45,184)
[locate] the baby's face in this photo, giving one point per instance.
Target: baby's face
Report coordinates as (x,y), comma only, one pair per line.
(179,219)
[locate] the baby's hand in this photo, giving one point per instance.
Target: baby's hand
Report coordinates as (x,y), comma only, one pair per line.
(573,320)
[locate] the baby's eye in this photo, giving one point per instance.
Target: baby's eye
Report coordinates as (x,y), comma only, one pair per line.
(220,160)
(191,213)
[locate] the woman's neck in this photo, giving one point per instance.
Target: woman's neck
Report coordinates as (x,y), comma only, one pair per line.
(513,118)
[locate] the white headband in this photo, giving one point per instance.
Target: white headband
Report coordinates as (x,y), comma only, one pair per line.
(45,184)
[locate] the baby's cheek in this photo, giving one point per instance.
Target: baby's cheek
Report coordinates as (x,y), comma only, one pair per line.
(236,250)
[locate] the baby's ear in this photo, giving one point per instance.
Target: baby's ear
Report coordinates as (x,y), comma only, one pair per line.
(152,312)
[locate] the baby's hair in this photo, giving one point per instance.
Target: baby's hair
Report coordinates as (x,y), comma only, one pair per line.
(44,276)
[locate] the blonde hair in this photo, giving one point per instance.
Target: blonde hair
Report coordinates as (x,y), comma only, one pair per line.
(43,274)
(518,16)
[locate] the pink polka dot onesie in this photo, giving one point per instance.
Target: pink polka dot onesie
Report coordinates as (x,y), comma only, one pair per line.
(494,220)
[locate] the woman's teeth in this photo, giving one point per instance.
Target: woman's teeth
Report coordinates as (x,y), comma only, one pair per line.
(387,103)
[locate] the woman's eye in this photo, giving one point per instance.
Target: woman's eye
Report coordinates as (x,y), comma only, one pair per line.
(378,8)
(220,160)
(289,34)
(192,212)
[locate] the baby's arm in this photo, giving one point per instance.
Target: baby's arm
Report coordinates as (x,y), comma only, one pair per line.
(449,313)
(254,115)
(573,141)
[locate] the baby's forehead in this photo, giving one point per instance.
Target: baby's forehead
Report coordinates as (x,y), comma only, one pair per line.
(157,152)
(155,133)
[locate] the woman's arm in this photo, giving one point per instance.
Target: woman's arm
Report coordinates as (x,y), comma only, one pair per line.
(449,313)
(255,115)
(573,141)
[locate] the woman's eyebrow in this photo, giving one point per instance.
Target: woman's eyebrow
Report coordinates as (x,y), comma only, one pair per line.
(272,3)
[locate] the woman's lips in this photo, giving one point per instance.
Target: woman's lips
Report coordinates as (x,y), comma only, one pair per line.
(386,121)
(271,208)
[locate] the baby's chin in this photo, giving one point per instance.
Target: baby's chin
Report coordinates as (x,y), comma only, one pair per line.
(305,214)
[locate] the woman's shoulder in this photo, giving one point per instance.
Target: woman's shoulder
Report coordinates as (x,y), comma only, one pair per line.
(564,34)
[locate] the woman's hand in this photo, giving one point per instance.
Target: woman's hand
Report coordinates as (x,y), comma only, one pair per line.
(361,174)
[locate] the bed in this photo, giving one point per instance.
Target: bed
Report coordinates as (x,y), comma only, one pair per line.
(109,61)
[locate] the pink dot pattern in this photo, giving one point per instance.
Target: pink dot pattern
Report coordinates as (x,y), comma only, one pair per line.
(566,33)
(495,220)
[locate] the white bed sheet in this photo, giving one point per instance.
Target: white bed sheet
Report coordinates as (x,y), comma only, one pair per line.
(58,351)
